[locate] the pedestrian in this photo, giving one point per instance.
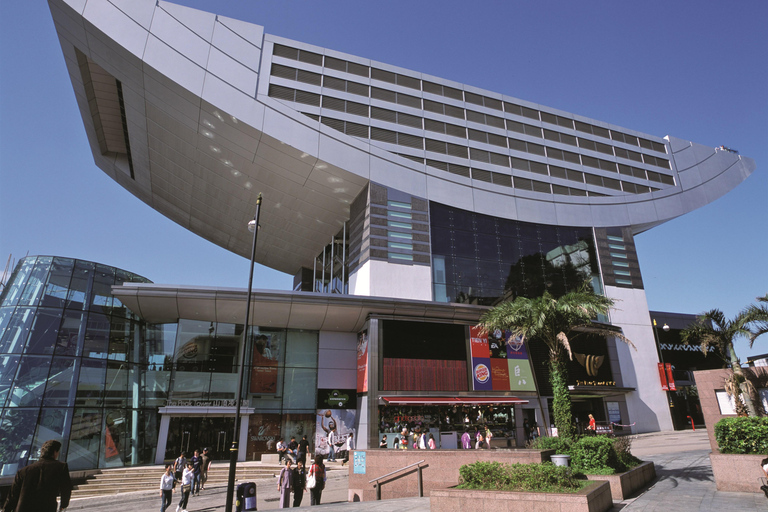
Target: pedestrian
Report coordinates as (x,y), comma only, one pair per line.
(432,442)
(284,484)
(350,446)
(383,442)
(179,465)
(764,466)
(396,443)
(466,440)
(36,486)
(166,487)
(488,436)
(293,448)
(527,430)
(187,479)
(206,465)
(299,482)
(303,450)
(197,464)
(317,470)
(480,444)
(592,427)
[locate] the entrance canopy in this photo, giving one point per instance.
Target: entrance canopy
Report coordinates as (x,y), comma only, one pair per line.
(453,400)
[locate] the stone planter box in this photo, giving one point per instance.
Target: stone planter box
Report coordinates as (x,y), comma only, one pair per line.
(624,485)
(596,497)
(737,473)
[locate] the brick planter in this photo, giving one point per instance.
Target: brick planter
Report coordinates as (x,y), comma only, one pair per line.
(596,497)
(440,469)
(624,485)
(737,473)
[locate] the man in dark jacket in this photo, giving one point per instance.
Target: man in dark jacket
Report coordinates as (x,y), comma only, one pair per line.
(36,486)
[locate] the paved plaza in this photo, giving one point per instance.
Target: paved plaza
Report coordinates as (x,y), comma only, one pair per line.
(684,484)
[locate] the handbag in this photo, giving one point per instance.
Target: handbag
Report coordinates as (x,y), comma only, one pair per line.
(311,480)
(186,488)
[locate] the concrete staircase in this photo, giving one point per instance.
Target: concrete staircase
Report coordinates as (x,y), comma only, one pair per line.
(147,478)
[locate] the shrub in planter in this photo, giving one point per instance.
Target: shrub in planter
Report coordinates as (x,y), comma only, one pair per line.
(742,435)
(543,477)
(561,445)
(622,445)
(595,455)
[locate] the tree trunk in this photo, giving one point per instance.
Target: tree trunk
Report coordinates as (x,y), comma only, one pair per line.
(742,380)
(561,401)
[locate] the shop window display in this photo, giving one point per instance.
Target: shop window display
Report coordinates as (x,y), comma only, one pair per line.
(446,424)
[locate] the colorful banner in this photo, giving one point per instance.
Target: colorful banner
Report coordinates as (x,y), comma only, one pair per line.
(500,362)
(339,421)
(663,377)
(264,365)
(670,378)
(362,362)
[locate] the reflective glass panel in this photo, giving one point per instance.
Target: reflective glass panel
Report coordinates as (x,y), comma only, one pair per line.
(59,391)
(71,324)
(85,439)
(301,349)
(45,332)
(17,282)
(96,336)
(17,330)
(29,385)
(300,388)
(78,287)
(90,386)
(56,288)
(8,366)
(51,425)
(35,283)
(101,292)
(16,429)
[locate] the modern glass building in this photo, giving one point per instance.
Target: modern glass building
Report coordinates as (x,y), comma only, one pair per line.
(403,204)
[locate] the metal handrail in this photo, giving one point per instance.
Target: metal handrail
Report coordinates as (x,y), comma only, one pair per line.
(378,485)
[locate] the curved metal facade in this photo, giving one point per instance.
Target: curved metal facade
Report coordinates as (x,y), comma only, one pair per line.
(195,114)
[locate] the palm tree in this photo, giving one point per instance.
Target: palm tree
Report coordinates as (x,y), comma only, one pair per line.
(554,322)
(713,329)
(757,315)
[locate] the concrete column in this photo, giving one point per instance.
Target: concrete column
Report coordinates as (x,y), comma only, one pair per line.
(162,438)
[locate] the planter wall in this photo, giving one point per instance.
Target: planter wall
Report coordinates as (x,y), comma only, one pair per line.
(596,497)
(737,473)
(624,485)
(440,469)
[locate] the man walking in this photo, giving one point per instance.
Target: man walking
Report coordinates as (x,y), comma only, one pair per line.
(36,486)
(332,438)
(207,460)
(197,466)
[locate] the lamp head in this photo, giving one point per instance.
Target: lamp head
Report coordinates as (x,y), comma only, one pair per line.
(665,328)
(252,225)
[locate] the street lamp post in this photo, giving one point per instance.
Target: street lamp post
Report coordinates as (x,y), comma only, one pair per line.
(661,360)
(253,226)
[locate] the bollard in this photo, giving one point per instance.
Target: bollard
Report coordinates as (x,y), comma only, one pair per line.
(692,425)
(421,483)
(378,491)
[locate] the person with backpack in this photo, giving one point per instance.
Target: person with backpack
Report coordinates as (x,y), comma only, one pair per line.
(179,465)
(316,472)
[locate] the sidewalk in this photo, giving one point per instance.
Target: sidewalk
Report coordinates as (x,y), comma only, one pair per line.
(684,484)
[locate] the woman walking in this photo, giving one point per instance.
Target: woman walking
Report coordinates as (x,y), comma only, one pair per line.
(284,484)
(166,487)
(431,442)
(299,482)
(318,471)
(186,486)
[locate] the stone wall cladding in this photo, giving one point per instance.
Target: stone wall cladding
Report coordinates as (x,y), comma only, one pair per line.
(439,471)
(596,497)
(737,473)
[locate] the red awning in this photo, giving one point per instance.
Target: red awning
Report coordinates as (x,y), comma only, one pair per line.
(453,400)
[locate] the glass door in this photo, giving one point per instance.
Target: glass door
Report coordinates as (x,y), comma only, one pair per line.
(189,433)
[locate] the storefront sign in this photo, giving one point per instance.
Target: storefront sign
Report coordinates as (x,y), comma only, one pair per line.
(499,362)
(359,463)
(205,403)
(336,398)
(595,382)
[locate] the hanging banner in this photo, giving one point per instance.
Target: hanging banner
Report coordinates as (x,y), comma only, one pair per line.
(663,377)
(670,378)
(362,362)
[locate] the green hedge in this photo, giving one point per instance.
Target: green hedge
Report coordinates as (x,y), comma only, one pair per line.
(742,435)
(495,476)
(594,455)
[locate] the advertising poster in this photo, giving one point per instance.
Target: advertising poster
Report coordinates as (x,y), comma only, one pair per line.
(263,432)
(362,362)
(339,421)
(500,374)
(520,371)
(264,364)
(481,361)
(499,362)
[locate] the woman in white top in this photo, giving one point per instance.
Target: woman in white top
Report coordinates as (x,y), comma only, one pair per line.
(166,487)
(186,483)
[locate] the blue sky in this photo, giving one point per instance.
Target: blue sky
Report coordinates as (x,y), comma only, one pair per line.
(694,70)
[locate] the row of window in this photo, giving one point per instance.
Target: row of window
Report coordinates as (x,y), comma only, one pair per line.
(441,90)
(391,116)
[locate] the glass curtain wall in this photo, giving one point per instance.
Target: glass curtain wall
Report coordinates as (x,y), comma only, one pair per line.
(479,259)
(71,367)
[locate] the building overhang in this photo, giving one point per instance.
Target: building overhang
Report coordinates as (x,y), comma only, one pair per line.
(282,309)
(452,400)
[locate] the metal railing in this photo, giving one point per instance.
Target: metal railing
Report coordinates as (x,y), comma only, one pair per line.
(378,485)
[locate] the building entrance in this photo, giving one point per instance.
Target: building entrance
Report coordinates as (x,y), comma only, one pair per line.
(190,433)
